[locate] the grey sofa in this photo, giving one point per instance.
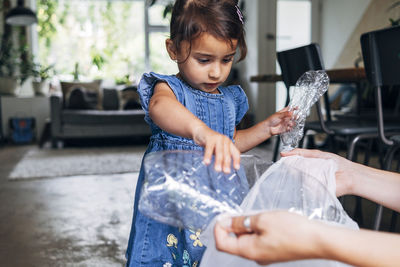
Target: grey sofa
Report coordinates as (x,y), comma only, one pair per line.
(92,123)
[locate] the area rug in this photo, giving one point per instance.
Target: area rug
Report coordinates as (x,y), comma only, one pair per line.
(44,163)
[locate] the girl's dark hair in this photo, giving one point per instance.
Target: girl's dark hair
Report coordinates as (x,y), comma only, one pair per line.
(220,18)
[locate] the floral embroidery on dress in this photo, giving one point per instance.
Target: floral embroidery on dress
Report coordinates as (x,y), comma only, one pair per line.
(172,241)
(195,237)
(167,264)
(186,258)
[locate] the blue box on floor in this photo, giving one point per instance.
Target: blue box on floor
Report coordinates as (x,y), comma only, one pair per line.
(22,130)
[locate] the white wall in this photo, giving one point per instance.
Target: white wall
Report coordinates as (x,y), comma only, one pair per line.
(338,20)
(249,66)
(260,20)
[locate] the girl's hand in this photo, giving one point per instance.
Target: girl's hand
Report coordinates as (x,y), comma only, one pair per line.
(281,121)
(344,173)
(219,145)
(273,236)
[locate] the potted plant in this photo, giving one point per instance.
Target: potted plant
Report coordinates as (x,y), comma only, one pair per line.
(41,75)
(8,67)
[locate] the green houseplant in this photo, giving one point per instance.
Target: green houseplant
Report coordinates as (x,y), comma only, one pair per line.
(41,75)
(8,67)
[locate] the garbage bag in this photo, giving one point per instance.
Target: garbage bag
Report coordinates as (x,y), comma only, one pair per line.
(182,191)
(296,184)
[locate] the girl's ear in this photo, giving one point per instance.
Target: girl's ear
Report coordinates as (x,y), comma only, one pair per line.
(171,49)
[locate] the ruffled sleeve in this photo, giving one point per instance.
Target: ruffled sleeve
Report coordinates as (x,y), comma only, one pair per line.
(241,102)
(146,89)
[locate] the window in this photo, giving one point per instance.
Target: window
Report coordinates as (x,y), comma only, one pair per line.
(157,31)
(102,39)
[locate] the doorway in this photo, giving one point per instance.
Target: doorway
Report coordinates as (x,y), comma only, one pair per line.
(293,29)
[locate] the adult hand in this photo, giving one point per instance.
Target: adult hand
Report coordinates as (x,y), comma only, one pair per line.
(219,145)
(274,236)
(344,174)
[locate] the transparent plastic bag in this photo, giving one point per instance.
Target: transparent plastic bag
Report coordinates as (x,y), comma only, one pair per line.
(309,88)
(294,184)
(182,191)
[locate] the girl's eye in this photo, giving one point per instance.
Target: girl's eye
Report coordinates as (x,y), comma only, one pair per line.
(227,60)
(203,60)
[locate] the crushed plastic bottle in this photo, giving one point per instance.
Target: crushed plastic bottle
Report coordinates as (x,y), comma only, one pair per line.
(309,88)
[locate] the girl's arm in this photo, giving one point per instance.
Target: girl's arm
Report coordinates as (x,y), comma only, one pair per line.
(282,236)
(171,116)
(278,123)
(380,186)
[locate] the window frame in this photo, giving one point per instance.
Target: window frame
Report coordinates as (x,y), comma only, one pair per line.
(33,37)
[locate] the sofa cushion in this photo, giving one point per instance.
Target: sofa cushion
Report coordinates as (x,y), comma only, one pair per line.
(106,117)
(130,98)
(91,89)
(110,99)
(78,100)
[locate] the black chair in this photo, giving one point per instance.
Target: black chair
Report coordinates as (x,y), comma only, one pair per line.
(1,126)
(353,132)
(294,63)
(381,52)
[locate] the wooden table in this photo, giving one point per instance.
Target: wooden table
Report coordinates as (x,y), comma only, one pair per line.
(346,75)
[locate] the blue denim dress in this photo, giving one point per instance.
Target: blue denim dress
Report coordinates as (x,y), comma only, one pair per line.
(156,244)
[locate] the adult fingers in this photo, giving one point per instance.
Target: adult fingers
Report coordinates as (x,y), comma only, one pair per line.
(224,241)
(242,224)
(241,245)
(308,153)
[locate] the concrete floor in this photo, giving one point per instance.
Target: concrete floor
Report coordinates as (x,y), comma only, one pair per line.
(76,221)
(65,221)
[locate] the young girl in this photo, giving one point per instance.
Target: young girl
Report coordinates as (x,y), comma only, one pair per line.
(192,111)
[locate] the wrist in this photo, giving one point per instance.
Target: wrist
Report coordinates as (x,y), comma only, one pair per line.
(355,172)
(267,128)
(197,130)
(322,245)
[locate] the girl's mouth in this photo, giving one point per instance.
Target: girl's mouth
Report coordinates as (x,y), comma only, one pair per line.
(211,85)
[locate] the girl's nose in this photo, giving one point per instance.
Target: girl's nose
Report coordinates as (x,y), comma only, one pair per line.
(215,71)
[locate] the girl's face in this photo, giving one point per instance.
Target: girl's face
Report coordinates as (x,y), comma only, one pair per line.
(208,64)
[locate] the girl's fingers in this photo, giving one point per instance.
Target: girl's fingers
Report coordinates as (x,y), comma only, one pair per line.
(218,151)
(224,151)
(227,157)
(284,109)
(208,151)
(235,156)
